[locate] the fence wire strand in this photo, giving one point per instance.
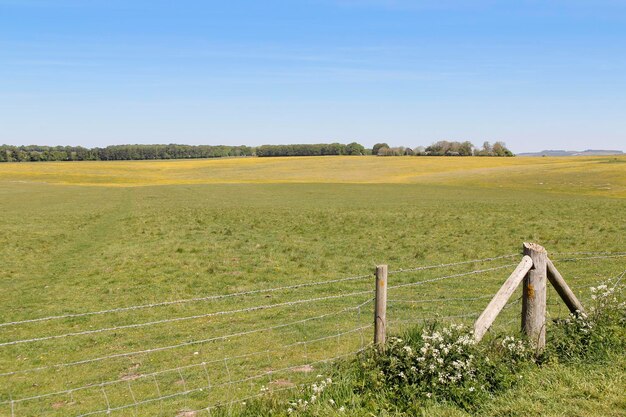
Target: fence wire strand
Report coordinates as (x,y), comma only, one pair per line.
(587,253)
(422,268)
(425,319)
(621,255)
(438,300)
(463,274)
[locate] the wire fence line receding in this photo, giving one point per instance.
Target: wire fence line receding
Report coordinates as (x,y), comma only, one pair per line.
(262,307)
(597,255)
(185,301)
(188,343)
(317,339)
(180,368)
(241,293)
(176,319)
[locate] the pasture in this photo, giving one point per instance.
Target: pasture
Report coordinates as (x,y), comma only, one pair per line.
(601,176)
(95,236)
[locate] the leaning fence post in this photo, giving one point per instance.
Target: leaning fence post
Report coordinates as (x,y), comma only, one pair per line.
(499,300)
(380,312)
(564,291)
(534,296)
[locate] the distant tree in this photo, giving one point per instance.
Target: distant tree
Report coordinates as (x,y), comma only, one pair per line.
(487,150)
(444,147)
(500,149)
(377,147)
(383,151)
(437,148)
(22,155)
(395,151)
(355,149)
(497,149)
(466,148)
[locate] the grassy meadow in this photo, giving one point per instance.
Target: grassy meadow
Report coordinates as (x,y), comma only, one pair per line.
(91,236)
(601,176)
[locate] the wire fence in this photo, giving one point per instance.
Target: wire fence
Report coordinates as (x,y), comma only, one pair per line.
(257,348)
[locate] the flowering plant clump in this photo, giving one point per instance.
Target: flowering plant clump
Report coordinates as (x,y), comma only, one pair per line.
(517,349)
(596,332)
(608,304)
(314,395)
(445,364)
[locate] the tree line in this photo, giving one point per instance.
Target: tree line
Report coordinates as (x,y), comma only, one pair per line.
(445,148)
(318,149)
(35,153)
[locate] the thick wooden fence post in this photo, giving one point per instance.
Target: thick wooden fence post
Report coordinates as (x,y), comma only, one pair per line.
(380,312)
(534,296)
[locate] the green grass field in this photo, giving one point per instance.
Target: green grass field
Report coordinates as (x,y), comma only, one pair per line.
(92,236)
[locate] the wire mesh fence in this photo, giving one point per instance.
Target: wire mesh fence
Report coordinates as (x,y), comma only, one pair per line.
(193,355)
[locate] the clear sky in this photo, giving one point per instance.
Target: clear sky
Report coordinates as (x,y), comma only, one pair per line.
(536,74)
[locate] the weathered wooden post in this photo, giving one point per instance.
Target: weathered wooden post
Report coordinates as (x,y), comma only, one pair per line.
(380,312)
(535,270)
(534,296)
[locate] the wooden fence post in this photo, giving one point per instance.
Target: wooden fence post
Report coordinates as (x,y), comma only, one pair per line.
(534,296)
(380,312)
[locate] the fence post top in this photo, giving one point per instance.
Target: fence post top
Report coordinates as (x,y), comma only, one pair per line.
(534,247)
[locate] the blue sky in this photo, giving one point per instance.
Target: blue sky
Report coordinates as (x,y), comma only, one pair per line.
(535,74)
